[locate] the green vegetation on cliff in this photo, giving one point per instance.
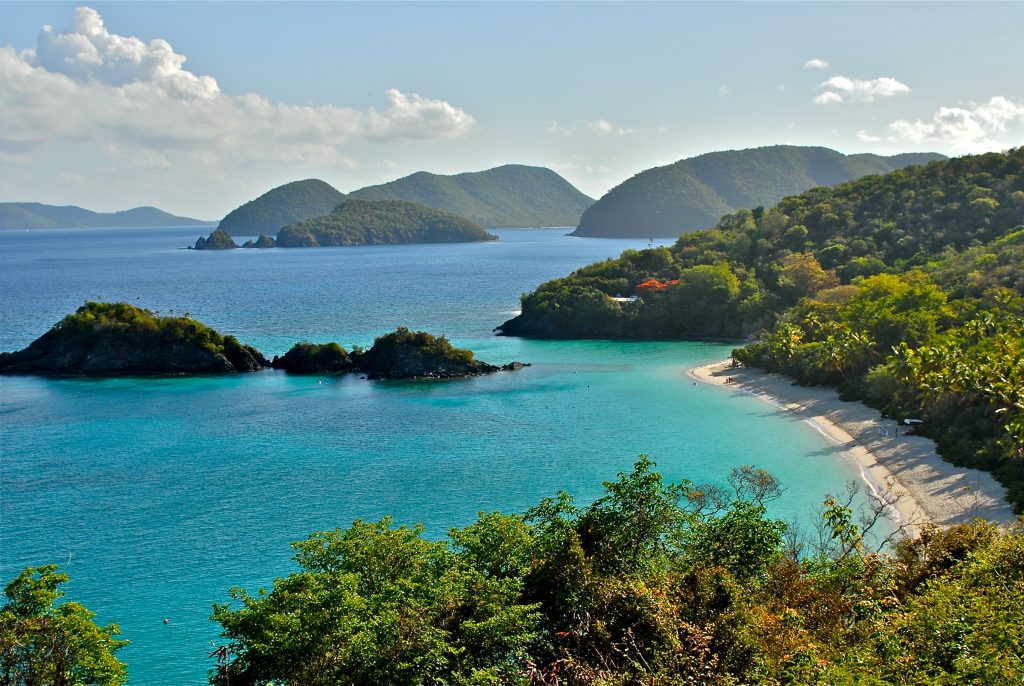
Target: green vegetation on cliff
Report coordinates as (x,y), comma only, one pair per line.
(282,205)
(34,215)
(905,290)
(511,196)
(652,583)
(694,193)
(381,222)
(118,339)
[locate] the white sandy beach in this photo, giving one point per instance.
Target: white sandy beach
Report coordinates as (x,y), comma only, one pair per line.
(926,487)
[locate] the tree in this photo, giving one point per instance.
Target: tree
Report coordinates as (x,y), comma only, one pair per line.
(378,604)
(43,644)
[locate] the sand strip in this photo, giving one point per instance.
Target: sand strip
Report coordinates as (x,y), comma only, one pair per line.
(905,471)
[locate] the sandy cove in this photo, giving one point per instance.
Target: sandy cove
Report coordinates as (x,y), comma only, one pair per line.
(905,470)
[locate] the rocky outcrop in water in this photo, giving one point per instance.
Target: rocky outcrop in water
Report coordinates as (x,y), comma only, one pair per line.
(218,240)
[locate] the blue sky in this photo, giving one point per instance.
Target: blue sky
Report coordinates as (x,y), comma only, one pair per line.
(198,107)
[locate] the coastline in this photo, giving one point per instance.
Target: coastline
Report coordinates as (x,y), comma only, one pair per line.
(906,472)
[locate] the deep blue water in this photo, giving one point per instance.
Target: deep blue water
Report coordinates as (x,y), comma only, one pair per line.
(158,495)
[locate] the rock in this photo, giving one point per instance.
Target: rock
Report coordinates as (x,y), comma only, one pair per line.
(265,241)
(218,240)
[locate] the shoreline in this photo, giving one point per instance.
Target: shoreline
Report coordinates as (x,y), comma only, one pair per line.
(904,472)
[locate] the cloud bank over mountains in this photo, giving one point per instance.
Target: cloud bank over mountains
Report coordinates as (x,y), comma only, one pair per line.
(88,85)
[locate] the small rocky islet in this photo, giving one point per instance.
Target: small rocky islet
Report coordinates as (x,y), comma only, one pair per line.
(120,339)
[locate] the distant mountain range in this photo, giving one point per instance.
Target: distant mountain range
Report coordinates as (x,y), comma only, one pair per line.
(283,205)
(510,196)
(34,215)
(694,193)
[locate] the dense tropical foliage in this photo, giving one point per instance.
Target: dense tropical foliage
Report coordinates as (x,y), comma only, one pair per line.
(380,222)
(905,290)
(43,643)
(512,195)
(653,583)
(693,193)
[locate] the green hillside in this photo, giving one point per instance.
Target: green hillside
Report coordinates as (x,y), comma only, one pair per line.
(34,215)
(510,196)
(904,290)
(694,193)
(283,205)
(382,222)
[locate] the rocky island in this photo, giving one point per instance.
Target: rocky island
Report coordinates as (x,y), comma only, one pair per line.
(402,354)
(119,339)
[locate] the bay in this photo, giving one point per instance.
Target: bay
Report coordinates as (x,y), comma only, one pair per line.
(158,495)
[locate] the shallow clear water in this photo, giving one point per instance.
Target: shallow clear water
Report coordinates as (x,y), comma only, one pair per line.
(158,495)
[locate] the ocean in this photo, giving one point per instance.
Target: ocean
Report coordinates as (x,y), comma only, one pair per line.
(157,495)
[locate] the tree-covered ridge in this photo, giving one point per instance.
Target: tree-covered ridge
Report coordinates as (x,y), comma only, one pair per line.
(282,205)
(510,196)
(120,339)
(381,222)
(34,215)
(694,193)
(653,583)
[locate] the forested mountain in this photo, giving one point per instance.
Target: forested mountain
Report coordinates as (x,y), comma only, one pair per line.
(381,222)
(282,205)
(512,195)
(34,215)
(694,193)
(906,290)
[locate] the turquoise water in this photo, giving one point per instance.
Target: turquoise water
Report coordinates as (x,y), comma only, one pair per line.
(158,495)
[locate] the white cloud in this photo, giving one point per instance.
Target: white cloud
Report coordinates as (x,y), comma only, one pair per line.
(596,127)
(865,137)
(846,89)
(974,127)
(724,90)
(828,98)
(136,99)
(815,63)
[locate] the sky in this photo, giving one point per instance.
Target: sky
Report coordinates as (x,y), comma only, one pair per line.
(198,107)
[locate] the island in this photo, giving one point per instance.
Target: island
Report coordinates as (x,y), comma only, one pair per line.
(401,354)
(119,339)
(381,222)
